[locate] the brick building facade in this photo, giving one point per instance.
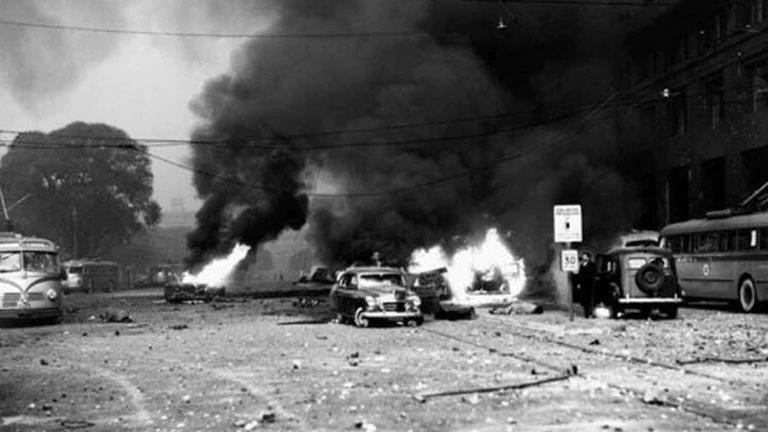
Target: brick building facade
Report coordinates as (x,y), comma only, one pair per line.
(695,86)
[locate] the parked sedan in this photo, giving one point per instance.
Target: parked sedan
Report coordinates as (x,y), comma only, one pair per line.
(365,294)
(641,278)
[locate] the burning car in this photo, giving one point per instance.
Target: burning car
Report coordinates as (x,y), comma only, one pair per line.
(177,292)
(365,294)
(436,296)
(641,278)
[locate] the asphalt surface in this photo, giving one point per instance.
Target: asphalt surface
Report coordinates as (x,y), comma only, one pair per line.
(283,364)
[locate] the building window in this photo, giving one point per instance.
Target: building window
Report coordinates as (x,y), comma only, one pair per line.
(713,183)
(705,37)
(754,163)
(759,88)
(676,112)
(715,102)
(678,180)
(721,25)
(743,15)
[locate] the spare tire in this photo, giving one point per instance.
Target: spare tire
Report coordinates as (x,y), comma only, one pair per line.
(650,278)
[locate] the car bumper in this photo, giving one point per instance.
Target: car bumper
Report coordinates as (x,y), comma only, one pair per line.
(650,301)
(31,314)
(391,316)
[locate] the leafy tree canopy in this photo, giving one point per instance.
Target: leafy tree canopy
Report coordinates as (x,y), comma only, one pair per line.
(87,186)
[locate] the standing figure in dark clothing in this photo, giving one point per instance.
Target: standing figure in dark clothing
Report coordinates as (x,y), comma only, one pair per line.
(585,284)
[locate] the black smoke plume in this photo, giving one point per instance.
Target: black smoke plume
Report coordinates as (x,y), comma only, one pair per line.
(454,65)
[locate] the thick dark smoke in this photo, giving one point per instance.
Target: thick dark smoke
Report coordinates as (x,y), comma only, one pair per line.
(38,63)
(459,66)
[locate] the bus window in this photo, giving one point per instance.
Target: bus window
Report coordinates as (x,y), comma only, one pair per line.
(742,240)
(764,239)
(705,242)
(685,243)
(40,262)
(10,262)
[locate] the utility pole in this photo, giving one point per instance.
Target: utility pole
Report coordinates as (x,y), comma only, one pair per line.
(74,230)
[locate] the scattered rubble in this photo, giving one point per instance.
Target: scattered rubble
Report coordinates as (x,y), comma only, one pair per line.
(116,316)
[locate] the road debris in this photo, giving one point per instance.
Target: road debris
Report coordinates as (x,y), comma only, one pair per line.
(518,308)
(425,396)
(364,425)
(178,326)
(116,315)
(744,360)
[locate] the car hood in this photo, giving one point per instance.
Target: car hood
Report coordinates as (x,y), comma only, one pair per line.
(384,290)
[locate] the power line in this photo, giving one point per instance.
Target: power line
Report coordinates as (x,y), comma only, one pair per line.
(342,35)
(642,3)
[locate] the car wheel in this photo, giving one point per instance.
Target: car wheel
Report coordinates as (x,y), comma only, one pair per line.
(360,320)
(747,296)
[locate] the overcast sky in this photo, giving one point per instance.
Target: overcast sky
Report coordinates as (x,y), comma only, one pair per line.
(142,84)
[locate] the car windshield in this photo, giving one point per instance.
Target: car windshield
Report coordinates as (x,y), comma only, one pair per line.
(10,262)
(75,270)
(381,279)
(634,263)
(40,262)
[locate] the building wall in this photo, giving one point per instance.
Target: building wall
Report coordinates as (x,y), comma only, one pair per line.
(709,131)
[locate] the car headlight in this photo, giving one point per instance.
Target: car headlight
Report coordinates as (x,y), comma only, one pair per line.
(370,301)
(415,301)
(52,294)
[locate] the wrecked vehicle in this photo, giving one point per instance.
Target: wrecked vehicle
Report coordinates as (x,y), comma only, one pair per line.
(366,294)
(638,278)
(318,275)
(436,296)
(177,292)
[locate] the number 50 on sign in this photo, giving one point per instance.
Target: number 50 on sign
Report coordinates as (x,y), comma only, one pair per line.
(569,260)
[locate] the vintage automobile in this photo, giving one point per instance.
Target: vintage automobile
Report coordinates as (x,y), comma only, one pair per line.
(159,276)
(436,296)
(639,278)
(30,279)
(177,292)
(365,294)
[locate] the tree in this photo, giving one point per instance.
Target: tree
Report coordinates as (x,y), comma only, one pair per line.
(89,186)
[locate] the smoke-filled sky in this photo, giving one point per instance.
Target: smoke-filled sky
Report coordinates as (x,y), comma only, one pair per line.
(141,84)
(453,64)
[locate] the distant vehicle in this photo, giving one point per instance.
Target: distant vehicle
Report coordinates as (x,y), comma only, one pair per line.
(159,276)
(722,257)
(640,278)
(638,238)
(366,294)
(91,276)
(30,278)
(319,275)
(177,292)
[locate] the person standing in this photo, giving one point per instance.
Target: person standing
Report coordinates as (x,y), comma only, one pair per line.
(585,284)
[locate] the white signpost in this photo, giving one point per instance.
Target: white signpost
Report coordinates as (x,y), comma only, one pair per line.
(568,230)
(569,260)
(567,223)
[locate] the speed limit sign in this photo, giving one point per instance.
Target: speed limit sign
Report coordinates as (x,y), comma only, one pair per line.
(569,260)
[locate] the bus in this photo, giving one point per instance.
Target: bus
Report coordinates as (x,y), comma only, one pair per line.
(30,279)
(723,257)
(91,276)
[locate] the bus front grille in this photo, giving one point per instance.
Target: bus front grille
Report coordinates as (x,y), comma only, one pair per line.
(11,299)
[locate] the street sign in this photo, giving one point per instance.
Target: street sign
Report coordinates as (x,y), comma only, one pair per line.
(567,223)
(569,260)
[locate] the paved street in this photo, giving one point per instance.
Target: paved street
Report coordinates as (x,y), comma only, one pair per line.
(281,365)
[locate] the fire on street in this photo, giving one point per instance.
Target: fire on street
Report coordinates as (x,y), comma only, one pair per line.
(283,364)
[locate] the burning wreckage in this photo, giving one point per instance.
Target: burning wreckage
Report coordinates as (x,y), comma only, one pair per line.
(207,284)
(486,275)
